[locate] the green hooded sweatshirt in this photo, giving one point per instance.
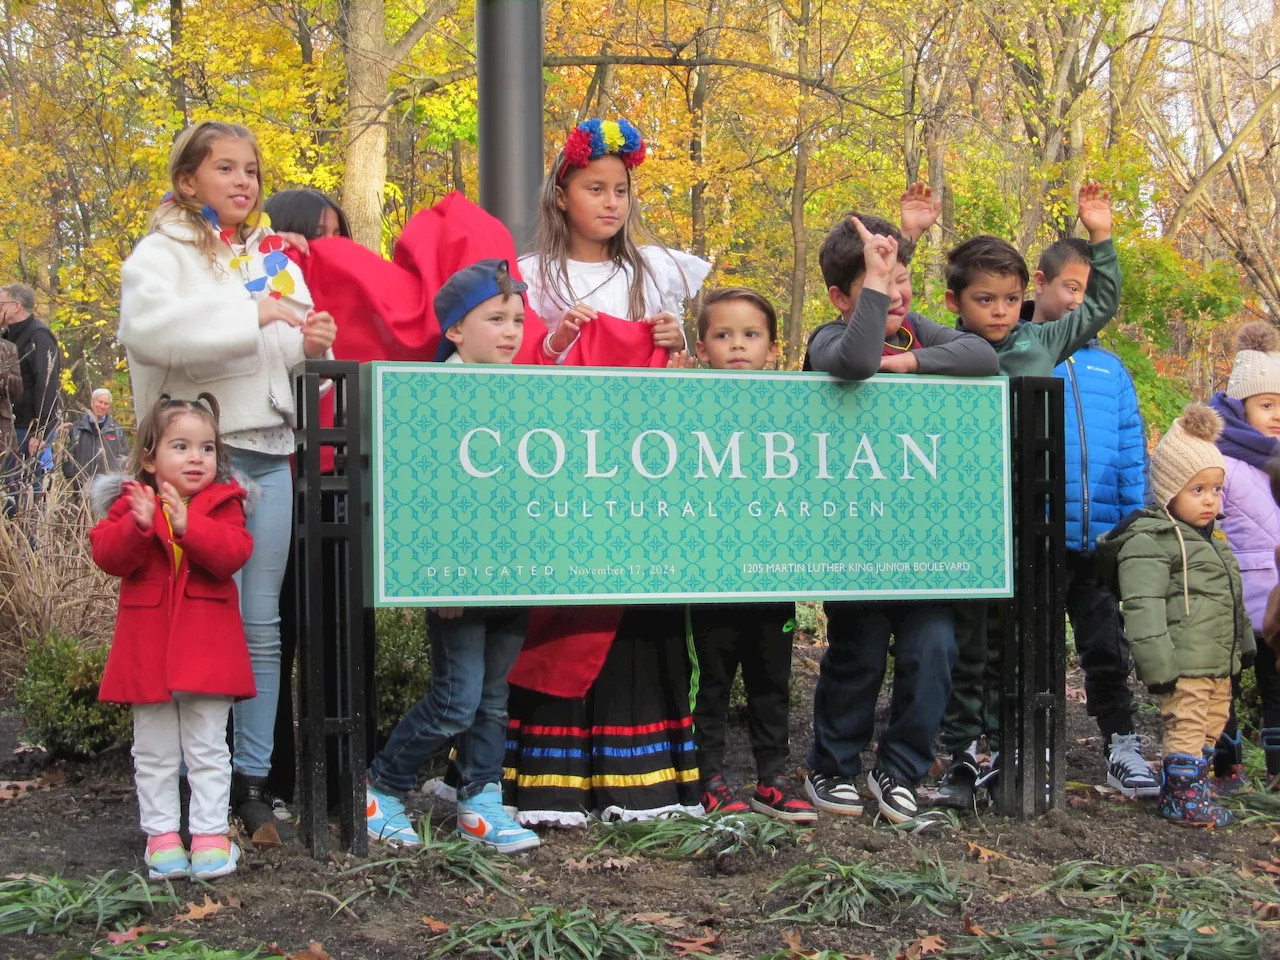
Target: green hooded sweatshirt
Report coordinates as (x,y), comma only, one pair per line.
(1183,601)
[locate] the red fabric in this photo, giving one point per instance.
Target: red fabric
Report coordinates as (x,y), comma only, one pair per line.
(177,630)
(384,309)
(889,351)
(565,647)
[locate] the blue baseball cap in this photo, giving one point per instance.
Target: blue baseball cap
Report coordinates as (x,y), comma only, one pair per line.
(466,290)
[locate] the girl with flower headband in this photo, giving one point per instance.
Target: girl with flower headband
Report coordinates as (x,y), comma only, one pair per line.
(602,725)
(589,259)
(209,302)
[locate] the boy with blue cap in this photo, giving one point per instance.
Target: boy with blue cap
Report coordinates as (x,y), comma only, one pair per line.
(480,310)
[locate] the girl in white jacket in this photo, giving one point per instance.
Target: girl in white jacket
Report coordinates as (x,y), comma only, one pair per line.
(210,303)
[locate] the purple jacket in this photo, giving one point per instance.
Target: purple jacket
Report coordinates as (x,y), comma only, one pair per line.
(1251,521)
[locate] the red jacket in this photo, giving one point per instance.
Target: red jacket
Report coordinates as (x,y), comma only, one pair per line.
(177,630)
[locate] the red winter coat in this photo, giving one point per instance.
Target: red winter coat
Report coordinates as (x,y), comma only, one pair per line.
(177,630)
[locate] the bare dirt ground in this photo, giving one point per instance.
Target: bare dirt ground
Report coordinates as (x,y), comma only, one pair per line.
(86,824)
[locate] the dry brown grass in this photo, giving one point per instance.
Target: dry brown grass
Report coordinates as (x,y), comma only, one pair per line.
(53,587)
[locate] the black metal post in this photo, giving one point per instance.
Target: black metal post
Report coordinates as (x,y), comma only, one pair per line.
(334,624)
(509,82)
(1033,623)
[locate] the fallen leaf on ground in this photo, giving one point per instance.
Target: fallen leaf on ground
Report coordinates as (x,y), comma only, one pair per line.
(578,866)
(435,926)
(199,911)
(314,951)
(1076,693)
(664,920)
(1076,802)
(619,863)
(1275,841)
(1273,868)
(695,946)
(128,936)
(973,929)
(12,789)
(982,854)
(926,946)
(1266,911)
(1207,930)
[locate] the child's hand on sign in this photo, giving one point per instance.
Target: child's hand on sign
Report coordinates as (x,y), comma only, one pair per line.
(904,362)
(666,330)
(680,360)
(1095,212)
(447,613)
(880,254)
(920,210)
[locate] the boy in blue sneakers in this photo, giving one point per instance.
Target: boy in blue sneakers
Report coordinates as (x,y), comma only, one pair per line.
(481,312)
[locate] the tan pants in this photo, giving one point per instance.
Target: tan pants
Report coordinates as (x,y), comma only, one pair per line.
(1195,714)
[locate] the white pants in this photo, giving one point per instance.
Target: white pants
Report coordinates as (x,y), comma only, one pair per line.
(190,729)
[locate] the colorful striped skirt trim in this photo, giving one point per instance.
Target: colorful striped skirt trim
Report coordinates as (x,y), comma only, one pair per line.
(624,751)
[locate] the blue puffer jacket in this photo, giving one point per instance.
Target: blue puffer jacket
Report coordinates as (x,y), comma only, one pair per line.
(1107,458)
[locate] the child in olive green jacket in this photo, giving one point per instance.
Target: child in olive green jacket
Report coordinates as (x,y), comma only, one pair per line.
(1174,573)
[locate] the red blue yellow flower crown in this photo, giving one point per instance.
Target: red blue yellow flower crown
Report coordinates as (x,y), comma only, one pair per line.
(594,138)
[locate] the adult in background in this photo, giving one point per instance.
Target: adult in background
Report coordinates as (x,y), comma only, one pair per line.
(10,390)
(35,412)
(96,442)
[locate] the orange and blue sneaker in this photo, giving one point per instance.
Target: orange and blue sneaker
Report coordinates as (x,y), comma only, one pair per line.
(776,797)
(166,858)
(387,820)
(483,819)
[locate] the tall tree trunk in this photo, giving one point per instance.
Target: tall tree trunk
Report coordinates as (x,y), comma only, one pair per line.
(794,331)
(177,84)
(368,59)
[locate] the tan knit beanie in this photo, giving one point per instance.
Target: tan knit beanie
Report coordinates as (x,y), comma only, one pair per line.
(1257,364)
(1184,451)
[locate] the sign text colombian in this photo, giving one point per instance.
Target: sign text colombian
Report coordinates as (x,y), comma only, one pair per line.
(493,484)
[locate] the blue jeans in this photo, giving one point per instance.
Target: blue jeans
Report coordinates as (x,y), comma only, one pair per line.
(844,702)
(471,656)
(271,525)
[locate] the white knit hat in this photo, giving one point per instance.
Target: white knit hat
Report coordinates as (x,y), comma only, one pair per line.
(1257,364)
(1185,450)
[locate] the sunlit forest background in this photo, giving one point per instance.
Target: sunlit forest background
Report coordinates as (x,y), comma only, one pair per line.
(766,120)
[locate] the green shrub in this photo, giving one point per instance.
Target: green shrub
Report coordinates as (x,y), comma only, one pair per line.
(57,696)
(403,665)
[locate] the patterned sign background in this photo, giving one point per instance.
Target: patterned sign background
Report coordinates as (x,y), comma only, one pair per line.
(443,536)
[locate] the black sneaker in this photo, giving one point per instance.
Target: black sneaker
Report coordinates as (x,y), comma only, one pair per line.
(898,800)
(958,787)
(832,794)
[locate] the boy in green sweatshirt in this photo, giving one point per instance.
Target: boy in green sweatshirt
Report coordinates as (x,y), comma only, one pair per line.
(986,282)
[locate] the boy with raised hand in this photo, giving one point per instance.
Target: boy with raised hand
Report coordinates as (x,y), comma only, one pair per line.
(864,266)
(738,330)
(481,313)
(1106,455)
(986,282)
(878,332)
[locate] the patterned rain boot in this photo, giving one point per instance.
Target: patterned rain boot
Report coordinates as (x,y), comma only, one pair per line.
(1228,765)
(1185,797)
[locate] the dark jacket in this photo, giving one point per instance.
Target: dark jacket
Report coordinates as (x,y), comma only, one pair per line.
(851,350)
(41,359)
(10,392)
(94,448)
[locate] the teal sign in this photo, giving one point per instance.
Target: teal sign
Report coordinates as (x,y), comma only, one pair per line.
(493,484)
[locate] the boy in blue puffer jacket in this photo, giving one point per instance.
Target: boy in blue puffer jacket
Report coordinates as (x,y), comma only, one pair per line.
(1106,480)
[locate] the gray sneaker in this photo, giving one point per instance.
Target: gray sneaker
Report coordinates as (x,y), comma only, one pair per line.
(1127,770)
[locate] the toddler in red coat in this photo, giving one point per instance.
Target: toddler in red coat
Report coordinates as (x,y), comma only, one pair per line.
(174,532)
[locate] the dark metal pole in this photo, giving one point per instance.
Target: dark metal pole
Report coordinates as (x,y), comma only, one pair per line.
(509,73)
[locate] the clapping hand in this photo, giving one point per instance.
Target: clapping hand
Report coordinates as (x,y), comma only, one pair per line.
(142,504)
(175,508)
